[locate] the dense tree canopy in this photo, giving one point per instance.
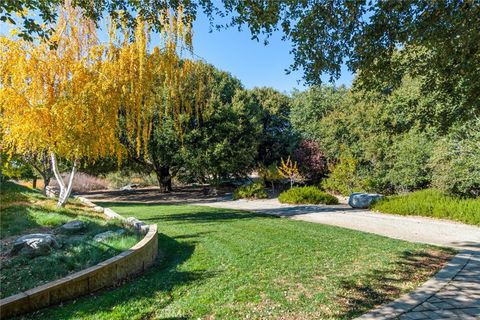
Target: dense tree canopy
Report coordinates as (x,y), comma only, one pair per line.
(278,138)
(376,38)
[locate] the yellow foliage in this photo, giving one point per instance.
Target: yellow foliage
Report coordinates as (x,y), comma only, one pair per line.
(65,95)
(53,95)
(288,169)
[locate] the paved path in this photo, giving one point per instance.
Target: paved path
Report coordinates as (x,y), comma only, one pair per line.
(454,293)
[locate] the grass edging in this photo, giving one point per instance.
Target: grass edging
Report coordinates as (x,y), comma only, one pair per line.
(105,274)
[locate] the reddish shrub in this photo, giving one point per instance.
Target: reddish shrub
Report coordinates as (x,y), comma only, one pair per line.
(311,160)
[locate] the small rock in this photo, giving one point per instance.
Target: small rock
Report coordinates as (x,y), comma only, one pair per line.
(363,200)
(98,209)
(144,229)
(37,244)
(73,226)
(128,187)
(134,222)
(108,235)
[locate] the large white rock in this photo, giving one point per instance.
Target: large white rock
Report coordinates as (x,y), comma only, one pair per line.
(36,244)
(362,200)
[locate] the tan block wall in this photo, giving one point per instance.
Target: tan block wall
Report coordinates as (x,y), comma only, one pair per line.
(105,274)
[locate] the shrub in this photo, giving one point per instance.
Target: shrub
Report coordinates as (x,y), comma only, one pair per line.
(271,175)
(83,182)
(119,179)
(311,160)
(456,163)
(407,162)
(343,177)
(306,195)
(289,169)
(432,203)
(254,190)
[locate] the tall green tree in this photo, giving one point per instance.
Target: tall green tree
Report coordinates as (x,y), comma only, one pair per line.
(226,144)
(310,106)
(220,141)
(277,139)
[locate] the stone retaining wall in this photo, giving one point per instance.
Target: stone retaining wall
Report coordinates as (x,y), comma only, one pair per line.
(105,274)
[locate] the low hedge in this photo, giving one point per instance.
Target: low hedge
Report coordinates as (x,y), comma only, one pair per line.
(250,191)
(432,203)
(306,195)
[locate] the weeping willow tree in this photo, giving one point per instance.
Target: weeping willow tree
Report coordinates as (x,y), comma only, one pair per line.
(66,95)
(158,87)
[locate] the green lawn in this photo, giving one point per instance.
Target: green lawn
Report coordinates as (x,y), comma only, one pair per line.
(24,211)
(432,203)
(224,264)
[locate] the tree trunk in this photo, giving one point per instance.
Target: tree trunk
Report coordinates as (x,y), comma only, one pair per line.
(164,179)
(43,166)
(34,183)
(46,182)
(64,190)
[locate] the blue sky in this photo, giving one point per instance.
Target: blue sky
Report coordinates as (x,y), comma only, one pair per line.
(252,62)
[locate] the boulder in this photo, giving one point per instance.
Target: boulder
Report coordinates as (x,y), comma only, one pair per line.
(108,235)
(362,200)
(73,226)
(37,244)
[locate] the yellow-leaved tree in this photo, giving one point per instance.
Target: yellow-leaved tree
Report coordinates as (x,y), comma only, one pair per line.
(54,97)
(65,95)
(289,169)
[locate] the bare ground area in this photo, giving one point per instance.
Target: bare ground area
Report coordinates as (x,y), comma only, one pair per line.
(152,195)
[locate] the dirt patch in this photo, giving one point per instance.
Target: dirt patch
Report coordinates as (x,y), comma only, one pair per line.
(180,195)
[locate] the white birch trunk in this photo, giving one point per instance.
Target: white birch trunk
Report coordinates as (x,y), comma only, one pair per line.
(65,190)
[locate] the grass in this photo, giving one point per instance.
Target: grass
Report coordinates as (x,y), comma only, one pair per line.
(306,195)
(25,211)
(432,203)
(225,264)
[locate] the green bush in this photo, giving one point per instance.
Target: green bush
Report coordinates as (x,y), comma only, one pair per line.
(456,162)
(250,191)
(306,195)
(343,177)
(408,161)
(432,203)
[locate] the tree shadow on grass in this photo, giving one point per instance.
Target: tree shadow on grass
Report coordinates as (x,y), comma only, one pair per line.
(208,216)
(163,277)
(15,219)
(383,286)
(204,214)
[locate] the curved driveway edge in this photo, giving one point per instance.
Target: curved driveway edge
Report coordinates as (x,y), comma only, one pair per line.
(450,294)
